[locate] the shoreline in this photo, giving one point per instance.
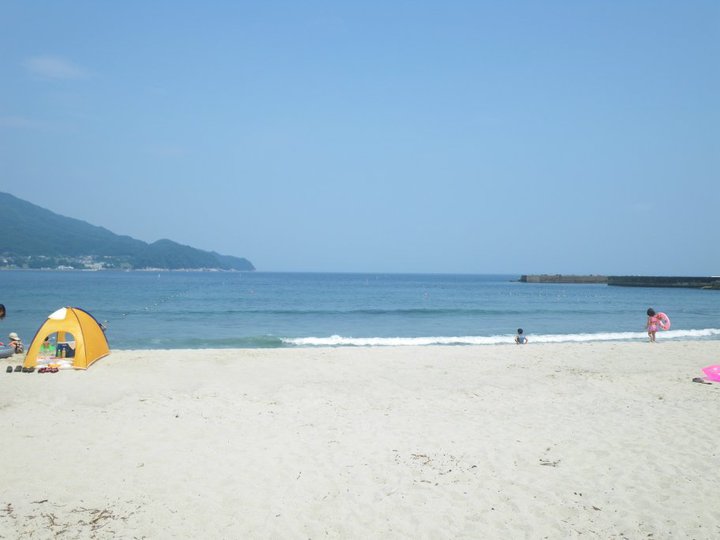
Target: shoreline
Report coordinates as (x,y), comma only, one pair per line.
(341,342)
(557,440)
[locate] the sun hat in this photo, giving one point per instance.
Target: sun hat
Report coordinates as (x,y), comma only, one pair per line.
(13,336)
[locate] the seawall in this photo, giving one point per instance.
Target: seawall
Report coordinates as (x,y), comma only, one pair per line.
(562,278)
(665,281)
(694,282)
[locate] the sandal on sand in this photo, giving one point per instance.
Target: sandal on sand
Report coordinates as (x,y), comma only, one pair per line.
(53,370)
(18,369)
(31,369)
(701,381)
(9,369)
(42,370)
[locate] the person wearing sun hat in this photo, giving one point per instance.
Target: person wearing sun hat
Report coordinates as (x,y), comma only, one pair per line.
(16,342)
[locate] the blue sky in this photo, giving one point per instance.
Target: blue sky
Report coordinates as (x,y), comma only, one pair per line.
(470,137)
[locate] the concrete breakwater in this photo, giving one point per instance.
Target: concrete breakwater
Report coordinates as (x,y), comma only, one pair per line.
(562,278)
(712,282)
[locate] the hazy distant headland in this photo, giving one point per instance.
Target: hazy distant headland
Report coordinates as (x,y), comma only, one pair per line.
(36,238)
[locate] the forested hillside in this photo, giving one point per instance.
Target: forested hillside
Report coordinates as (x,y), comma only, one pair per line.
(33,237)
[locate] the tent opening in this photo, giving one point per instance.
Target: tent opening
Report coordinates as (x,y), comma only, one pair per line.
(57,345)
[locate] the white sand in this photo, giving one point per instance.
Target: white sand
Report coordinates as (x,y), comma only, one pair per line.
(608,440)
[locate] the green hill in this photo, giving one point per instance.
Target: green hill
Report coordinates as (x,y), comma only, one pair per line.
(33,237)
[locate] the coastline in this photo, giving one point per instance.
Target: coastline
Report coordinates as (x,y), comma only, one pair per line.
(557,440)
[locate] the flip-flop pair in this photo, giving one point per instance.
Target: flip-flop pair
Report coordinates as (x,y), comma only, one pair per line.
(17,369)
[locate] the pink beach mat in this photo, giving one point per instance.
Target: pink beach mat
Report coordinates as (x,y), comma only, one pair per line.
(712,373)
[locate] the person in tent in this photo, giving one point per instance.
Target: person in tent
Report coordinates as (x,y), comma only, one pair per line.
(46,349)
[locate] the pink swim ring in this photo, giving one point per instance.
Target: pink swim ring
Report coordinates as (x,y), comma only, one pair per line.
(663,321)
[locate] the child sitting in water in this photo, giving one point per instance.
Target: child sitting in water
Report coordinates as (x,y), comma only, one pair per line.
(520,339)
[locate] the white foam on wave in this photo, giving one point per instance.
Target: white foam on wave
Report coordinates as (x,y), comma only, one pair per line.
(341,341)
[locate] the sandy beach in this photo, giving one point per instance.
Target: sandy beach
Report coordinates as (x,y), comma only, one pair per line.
(593,440)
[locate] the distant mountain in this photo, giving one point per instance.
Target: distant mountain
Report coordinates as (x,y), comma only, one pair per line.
(33,237)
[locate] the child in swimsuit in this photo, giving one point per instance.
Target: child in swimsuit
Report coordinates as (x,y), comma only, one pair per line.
(519,338)
(652,324)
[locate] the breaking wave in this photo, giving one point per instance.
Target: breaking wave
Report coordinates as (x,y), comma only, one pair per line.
(342,341)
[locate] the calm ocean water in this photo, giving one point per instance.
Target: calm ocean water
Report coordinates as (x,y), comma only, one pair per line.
(220,309)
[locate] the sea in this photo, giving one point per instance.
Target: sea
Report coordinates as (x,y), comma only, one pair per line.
(195,310)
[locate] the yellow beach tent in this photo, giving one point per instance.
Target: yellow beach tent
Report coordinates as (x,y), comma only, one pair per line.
(90,341)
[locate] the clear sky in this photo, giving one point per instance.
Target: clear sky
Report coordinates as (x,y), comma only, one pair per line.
(402,136)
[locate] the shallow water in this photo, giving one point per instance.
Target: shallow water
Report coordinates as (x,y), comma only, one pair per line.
(260,309)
